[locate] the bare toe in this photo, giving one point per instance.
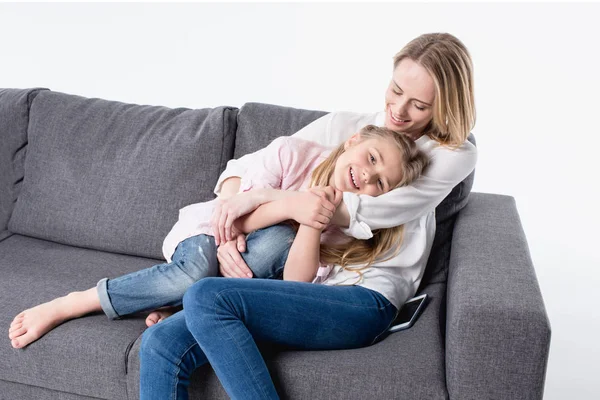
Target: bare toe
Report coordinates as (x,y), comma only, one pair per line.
(14,327)
(17,320)
(152,319)
(17,332)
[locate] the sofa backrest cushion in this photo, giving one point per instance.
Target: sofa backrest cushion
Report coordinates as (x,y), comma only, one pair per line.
(259,124)
(14,119)
(112,176)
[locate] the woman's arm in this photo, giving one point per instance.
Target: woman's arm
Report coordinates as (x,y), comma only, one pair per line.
(229,187)
(447,168)
(303,259)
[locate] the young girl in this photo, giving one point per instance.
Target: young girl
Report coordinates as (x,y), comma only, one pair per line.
(222,318)
(190,250)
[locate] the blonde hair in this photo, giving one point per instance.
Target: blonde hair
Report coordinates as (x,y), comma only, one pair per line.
(449,64)
(413,162)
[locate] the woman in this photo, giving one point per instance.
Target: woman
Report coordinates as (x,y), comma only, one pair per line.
(430,100)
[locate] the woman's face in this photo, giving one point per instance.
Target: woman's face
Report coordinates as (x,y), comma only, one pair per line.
(370,166)
(409,99)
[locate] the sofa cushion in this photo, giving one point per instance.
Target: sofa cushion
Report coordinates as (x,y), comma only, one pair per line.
(259,124)
(112,176)
(445,216)
(417,370)
(85,356)
(14,119)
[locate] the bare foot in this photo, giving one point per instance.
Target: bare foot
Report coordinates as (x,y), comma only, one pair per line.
(32,324)
(158,315)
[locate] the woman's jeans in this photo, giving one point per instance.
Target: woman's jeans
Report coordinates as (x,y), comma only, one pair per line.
(223,319)
(195,258)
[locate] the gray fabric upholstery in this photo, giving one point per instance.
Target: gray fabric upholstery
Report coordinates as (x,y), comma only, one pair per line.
(18,391)
(259,124)
(445,215)
(498,333)
(14,120)
(109,177)
(405,365)
(86,356)
(112,176)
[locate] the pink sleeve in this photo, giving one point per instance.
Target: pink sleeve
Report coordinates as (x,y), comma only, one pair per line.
(269,167)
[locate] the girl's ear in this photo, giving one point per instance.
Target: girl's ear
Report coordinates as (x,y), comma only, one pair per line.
(352,140)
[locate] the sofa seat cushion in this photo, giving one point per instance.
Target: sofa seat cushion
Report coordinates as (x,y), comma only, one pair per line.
(86,356)
(112,176)
(405,365)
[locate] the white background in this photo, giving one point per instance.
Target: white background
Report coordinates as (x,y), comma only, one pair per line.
(537,84)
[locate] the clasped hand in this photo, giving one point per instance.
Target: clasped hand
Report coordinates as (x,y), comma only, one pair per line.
(313,208)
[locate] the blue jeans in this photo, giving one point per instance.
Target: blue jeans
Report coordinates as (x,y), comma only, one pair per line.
(195,258)
(223,319)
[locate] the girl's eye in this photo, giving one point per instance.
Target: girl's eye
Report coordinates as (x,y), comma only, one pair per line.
(372,158)
(380,183)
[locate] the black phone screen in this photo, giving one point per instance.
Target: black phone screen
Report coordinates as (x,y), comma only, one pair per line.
(407,311)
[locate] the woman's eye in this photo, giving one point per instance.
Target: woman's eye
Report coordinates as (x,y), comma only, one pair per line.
(419,108)
(395,92)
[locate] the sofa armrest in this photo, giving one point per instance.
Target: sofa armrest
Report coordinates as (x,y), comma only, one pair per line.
(497,329)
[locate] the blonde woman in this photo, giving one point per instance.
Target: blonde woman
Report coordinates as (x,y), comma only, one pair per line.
(429,100)
(222,316)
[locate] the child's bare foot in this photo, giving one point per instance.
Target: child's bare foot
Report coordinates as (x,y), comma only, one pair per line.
(32,324)
(158,315)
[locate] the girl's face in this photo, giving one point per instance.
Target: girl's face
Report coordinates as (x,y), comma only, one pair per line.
(409,99)
(370,166)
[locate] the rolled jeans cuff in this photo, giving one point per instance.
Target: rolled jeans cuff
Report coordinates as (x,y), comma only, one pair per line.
(105,302)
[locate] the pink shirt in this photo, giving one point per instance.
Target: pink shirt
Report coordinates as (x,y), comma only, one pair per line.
(286,163)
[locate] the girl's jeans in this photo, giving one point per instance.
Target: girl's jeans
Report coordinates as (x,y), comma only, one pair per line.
(223,319)
(195,258)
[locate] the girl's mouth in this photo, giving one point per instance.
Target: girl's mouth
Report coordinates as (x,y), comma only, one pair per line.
(353,180)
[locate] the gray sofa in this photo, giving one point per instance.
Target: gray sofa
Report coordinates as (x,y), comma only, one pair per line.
(90,187)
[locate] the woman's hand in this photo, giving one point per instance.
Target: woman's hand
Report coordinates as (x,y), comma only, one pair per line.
(228,210)
(315,207)
(231,263)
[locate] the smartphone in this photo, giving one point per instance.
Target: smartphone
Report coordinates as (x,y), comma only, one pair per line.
(409,313)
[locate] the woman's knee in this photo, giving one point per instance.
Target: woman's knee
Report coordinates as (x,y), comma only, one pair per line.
(201,295)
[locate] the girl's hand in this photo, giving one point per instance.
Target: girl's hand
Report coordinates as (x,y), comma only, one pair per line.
(315,207)
(330,193)
(227,211)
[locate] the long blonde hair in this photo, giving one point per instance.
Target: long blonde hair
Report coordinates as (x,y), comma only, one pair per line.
(449,64)
(356,251)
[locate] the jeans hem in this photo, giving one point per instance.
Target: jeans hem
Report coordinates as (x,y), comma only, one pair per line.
(105,302)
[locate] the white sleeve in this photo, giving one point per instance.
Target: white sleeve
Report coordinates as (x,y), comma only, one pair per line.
(447,168)
(316,131)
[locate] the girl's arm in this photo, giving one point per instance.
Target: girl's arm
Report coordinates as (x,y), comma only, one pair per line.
(237,168)
(303,259)
(280,205)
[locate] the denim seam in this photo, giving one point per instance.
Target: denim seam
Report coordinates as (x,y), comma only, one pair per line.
(235,341)
(176,375)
